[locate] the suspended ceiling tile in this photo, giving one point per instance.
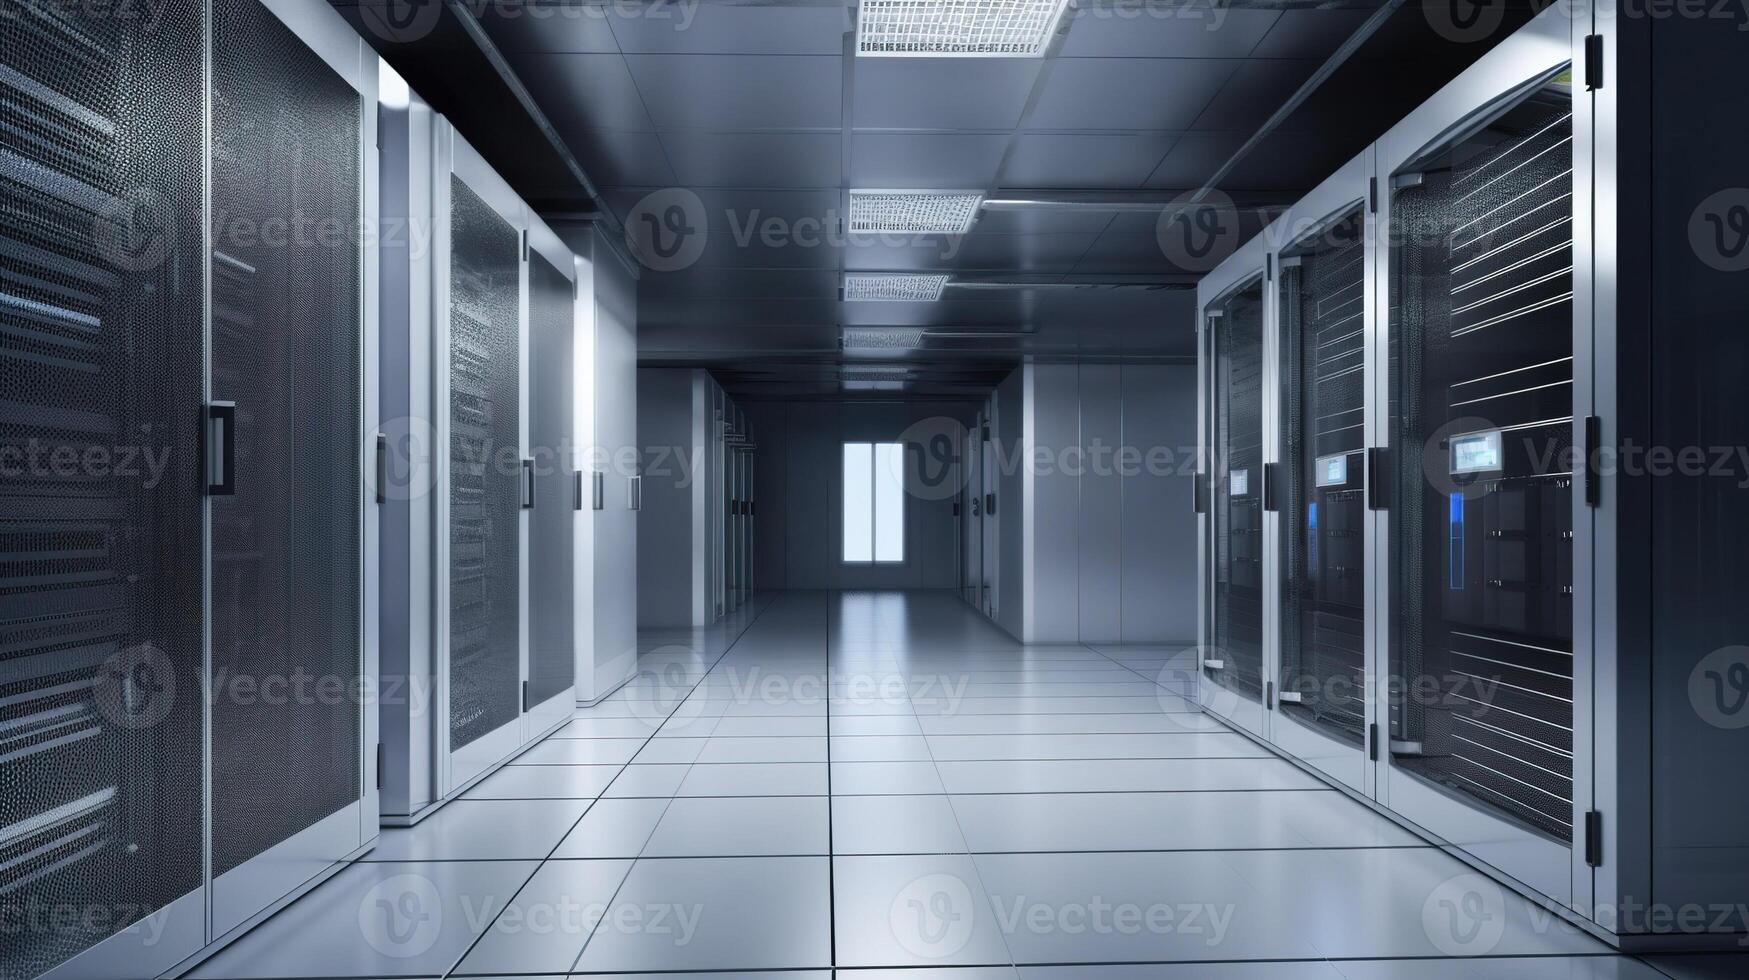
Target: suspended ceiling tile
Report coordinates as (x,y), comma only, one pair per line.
(988,253)
(549,28)
(707,28)
(1128,93)
(1194,158)
(1039,221)
(740,92)
(945,160)
(612,158)
(585,91)
(1253,94)
(1309,33)
(1085,160)
(776,160)
(942,93)
(1191,30)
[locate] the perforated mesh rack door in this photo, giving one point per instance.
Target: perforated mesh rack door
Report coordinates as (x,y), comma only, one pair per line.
(100,527)
(1481,520)
(1238,493)
(485,493)
(1323,358)
(286,348)
(552,661)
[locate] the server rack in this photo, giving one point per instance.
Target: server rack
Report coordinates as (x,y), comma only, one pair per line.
(174,353)
(1231,486)
(498,274)
(1318,529)
(1550,627)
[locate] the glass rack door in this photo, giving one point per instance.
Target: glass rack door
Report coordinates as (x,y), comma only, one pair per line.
(1481,421)
(1235,658)
(1322,332)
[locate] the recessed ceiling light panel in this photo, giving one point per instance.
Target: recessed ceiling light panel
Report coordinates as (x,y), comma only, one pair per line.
(956,28)
(883,338)
(914,212)
(894,287)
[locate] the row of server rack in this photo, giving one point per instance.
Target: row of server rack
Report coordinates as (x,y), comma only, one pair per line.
(294,400)
(733,453)
(1434,570)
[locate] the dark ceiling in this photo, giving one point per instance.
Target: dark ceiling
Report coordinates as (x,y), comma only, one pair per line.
(758,108)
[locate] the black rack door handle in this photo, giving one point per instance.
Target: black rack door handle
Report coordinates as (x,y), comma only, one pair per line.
(576,489)
(528,484)
(219,448)
(382,468)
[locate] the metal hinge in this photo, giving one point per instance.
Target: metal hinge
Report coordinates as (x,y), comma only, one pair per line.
(1593,62)
(1594,838)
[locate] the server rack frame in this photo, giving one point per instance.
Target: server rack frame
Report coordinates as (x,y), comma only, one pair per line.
(1337,197)
(1247,266)
(198,924)
(1608,872)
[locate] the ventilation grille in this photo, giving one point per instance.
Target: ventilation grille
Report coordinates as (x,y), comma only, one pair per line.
(894,288)
(918,212)
(883,338)
(956,28)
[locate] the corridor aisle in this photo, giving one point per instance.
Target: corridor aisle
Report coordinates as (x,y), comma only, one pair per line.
(884,780)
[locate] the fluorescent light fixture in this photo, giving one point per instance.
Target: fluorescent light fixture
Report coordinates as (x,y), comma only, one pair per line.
(956,28)
(882,338)
(915,212)
(893,287)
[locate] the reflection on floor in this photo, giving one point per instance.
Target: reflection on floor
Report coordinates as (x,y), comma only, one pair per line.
(884,780)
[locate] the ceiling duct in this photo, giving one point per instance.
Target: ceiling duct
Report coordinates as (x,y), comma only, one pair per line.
(956,28)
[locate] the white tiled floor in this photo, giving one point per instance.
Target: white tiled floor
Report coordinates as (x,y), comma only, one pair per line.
(886,785)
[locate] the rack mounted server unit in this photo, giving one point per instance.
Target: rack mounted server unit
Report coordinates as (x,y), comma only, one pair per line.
(188,348)
(1435,569)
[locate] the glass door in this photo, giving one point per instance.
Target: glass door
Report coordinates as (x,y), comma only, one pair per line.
(1233,660)
(1481,524)
(484,490)
(1322,336)
(557,496)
